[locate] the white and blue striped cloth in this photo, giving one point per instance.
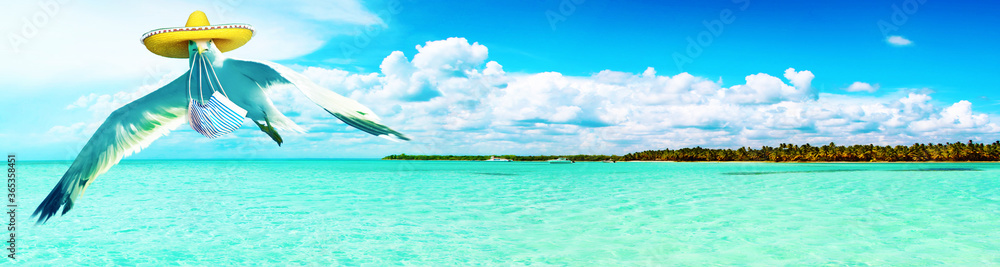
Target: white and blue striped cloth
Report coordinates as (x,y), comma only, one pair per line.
(216,117)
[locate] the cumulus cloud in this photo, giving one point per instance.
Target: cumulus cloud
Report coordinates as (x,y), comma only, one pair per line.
(453,100)
(476,107)
(956,118)
(862,87)
(801,79)
(762,88)
(898,40)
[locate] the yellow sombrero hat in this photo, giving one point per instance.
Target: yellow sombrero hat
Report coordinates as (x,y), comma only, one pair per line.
(173,42)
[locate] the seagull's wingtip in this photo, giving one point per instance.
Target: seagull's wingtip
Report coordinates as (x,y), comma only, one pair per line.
(401,136)
(395,137)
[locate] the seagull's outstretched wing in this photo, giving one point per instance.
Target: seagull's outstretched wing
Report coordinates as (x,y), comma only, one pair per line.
(126,131)
(346,109)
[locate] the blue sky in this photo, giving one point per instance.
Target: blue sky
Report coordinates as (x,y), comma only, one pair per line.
(529,77)
(840,39)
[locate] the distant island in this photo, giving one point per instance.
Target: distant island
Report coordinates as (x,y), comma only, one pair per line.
(783,153)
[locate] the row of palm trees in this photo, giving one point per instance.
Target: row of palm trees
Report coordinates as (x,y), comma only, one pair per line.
(789,152)
(783,153)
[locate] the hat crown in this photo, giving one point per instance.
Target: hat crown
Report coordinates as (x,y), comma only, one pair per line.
(173,42)
(197,19)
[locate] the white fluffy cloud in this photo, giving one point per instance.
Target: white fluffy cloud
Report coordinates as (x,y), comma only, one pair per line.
(956,118)
(452,100)
(451,94)
(898,40)
(801,79)
(862,87)
(762,88)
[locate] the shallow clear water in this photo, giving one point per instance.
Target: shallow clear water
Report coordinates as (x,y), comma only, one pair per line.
(518,213)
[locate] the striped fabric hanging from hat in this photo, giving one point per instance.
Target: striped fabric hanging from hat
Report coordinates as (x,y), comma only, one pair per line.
(216,117)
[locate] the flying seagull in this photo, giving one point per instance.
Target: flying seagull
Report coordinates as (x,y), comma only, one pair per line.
(214,96)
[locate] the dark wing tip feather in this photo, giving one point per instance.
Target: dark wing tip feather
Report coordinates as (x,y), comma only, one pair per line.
(369,126)
(50,206)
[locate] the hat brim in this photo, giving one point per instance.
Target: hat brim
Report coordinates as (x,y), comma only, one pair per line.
(173,42)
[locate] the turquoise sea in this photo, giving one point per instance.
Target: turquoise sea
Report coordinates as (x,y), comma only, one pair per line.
(435,213)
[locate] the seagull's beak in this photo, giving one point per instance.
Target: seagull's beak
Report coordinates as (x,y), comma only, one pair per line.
(202,45)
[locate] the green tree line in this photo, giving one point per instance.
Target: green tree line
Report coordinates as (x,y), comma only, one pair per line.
(783,153)
(858,153)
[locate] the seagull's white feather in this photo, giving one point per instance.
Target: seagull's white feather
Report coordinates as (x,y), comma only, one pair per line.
(127,130)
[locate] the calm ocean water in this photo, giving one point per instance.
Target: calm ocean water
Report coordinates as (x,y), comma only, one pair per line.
(371,212)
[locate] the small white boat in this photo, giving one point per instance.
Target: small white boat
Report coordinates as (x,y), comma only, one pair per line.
(493,158)
(560,161)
